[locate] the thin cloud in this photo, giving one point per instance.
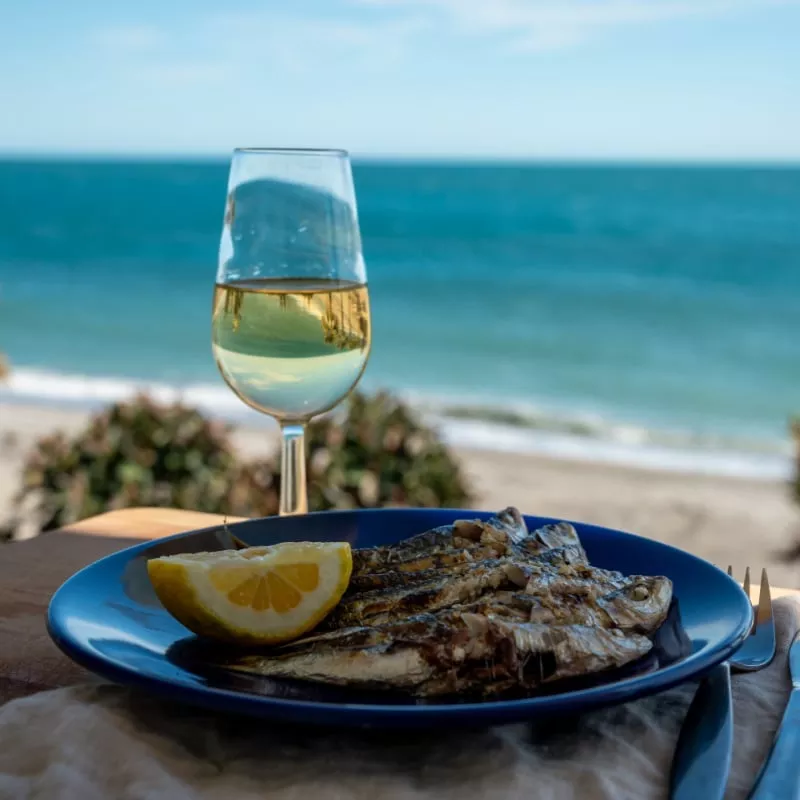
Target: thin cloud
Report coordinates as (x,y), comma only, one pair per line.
(303,44)
(545,24)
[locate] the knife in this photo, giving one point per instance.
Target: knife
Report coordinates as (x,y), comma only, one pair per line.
(779,778)
(702,757)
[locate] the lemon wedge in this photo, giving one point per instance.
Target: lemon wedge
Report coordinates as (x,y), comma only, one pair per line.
(258,595)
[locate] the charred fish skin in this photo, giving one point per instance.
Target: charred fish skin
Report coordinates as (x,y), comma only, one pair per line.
(452,651)
(564,578)
(456,562)
(638,604)
(443,590)
(555,537)
(565,651)
(529,655)
(441,559)
(495,533)
(401,655)
(374,581)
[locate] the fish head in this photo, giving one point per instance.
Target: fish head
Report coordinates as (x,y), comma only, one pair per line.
(640,605)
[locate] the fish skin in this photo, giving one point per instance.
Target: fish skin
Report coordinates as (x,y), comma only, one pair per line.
(451,651)
(442,590)
(461,544)
(532,655)
(456,561)
(567,587)
(399,655)
(425,567)
(554,537)
(577,649)
(496,534)
(408,570)
(373,581)
(638,604)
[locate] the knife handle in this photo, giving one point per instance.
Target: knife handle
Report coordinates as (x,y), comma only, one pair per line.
(779,778)
(702,758)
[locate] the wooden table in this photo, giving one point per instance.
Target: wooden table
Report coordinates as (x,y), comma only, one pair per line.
(31,571)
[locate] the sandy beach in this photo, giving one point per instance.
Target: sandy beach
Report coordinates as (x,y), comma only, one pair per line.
(725,520)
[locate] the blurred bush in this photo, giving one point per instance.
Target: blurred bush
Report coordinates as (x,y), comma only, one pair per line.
(376,452)
(373,453)
(133,454)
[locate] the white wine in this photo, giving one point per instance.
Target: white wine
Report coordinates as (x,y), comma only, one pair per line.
(291,348)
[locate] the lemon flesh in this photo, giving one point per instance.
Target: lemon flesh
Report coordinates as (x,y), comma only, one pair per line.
(255,596)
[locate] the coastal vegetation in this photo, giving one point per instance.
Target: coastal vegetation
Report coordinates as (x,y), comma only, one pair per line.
(374,452)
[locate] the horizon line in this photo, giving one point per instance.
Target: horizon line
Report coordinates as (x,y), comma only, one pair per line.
(408,158)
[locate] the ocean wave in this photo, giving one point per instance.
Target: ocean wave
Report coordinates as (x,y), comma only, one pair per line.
(480,425)
(586,425)
(84,391)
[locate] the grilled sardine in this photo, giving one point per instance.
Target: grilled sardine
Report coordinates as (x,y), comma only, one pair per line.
(451,651)
(476,606)
(468,540)
(441,589)
(638,604)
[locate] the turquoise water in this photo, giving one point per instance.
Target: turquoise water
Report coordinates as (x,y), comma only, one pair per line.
(640,307)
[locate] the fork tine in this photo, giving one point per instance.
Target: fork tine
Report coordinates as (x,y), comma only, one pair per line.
(764,600)
(746,584)
(730,571)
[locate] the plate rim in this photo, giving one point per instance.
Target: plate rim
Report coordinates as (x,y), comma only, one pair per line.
(377,714)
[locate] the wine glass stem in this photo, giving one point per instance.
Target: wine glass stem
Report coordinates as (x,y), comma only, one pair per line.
(294,497)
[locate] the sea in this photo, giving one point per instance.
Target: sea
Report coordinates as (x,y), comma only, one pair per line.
(633,314)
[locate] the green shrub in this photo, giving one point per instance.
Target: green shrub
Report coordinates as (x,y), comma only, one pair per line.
(374,452)
(133,454)
(377,453)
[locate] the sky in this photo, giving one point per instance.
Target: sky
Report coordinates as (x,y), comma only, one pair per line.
(542,79)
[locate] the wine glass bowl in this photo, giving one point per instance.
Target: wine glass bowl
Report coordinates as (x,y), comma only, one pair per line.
(290,320)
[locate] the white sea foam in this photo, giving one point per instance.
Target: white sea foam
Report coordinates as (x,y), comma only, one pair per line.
(30,385)
(510,428)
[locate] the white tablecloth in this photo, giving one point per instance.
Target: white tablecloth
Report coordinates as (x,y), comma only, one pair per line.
(101,742)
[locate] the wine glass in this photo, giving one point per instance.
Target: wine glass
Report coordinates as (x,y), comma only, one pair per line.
(290,321)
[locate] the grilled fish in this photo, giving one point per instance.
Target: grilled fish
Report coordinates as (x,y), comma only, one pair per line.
(441,589)
(455,562)
(568,595)
(638,604)
(446,652)
(476,606)
(468,540)
(528,655)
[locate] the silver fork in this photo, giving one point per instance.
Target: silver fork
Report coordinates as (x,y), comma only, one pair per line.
(705,745)
(758,649)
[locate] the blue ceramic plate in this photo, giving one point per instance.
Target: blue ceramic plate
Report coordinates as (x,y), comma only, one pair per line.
(107,618)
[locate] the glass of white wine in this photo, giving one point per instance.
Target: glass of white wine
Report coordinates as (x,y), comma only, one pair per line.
(290,321)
